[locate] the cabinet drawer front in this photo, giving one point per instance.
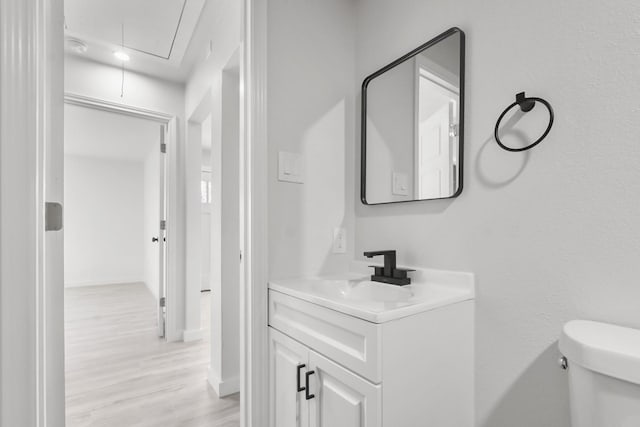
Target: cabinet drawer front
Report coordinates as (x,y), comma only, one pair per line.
(349,341)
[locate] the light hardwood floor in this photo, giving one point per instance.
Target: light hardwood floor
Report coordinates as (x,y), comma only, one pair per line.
(120,374)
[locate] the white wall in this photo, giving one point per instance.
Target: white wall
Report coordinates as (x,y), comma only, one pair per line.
(551,235)
(101,81)
(310,111)
(104,219)
(219,25)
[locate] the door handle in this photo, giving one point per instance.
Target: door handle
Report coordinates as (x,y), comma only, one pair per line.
(306,382)
(154,239)
(300,366)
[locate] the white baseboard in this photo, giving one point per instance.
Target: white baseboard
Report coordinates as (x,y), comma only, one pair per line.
(192,335)
(102,283)
(223,388)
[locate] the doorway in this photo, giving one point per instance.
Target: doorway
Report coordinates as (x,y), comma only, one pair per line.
(37,119)
(213,227)
(115,251)
(436,133)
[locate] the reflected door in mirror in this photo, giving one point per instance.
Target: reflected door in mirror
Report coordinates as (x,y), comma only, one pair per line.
(412,125)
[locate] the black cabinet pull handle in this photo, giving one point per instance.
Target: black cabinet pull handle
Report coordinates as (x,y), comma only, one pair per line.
(306,382)
(300,366)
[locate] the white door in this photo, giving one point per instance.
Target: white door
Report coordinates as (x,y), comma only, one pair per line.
(162,235)
(288,361)
(435,174)
(341,398)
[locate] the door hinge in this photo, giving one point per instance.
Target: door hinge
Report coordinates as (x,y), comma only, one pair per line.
(163,302)
(240,255)
(163,147)
(163,224)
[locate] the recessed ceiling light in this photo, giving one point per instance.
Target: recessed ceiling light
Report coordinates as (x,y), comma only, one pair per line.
(122,56)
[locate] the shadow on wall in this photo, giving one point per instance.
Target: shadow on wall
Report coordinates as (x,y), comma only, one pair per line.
(550,394)
(322,201)
(491,154)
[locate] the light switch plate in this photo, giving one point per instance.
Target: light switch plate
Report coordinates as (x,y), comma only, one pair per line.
(400,184)
(339,240)
(290,167)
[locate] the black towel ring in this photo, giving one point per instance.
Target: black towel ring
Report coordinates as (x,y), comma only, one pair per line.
(526,104)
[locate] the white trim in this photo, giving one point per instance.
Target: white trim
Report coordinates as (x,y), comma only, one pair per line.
(112,107)
(172,332)
(29,355)
(223,388)
(104,283)
(254,344)
(191,335)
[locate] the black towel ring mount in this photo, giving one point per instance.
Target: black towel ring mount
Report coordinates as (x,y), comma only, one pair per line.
(526,104)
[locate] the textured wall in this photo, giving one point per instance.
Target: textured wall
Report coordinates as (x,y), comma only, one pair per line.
(311,112)
(551,235)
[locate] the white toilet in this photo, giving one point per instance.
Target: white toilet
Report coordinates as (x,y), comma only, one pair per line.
(604,373)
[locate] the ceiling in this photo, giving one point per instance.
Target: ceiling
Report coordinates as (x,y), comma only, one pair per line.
(157,33)
(100,134)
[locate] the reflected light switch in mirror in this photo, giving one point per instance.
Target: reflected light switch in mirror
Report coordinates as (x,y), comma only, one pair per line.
(290,167)
(400,184)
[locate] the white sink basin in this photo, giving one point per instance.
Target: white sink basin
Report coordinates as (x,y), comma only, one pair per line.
(367,290)
(359,290)
(380,302)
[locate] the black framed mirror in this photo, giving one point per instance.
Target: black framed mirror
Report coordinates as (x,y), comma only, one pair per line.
(412,124)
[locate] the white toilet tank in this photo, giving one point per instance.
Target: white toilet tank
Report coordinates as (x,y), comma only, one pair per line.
(604,373)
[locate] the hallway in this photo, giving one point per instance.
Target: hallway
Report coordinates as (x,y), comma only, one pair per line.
(119,373)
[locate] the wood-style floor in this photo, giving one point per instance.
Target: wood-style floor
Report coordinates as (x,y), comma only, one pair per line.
(120,374)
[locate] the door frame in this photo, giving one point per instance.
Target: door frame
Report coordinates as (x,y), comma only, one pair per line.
(172,249)
(31,290)
(254,342)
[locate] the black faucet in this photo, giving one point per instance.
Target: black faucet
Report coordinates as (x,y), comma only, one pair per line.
(389,273)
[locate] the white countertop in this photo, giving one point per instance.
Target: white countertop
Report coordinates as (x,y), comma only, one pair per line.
(356,295)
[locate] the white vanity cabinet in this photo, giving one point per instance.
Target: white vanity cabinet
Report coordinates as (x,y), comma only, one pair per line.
(409,371)
(335,397)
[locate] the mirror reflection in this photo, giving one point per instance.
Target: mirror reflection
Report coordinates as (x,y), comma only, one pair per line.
(412,137)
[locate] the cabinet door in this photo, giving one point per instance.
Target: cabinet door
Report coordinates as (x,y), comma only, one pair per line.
(288,407)
(341,398)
